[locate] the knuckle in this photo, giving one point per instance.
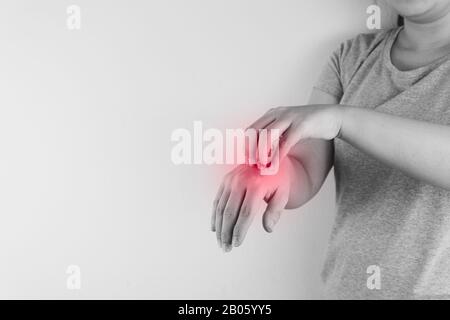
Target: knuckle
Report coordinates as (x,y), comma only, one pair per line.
(282,109)
(227,178)
(233,179)
(239,176)
(257,186)
(228,212)
(245,211)
(236,182)
(276,110)
(220,210)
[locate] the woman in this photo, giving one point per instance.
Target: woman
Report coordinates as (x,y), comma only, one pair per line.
(380,113)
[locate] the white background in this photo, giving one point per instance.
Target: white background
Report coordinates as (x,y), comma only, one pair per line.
(85,124)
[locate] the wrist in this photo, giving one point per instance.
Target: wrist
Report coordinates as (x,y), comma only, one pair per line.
(342,113)
(335,115)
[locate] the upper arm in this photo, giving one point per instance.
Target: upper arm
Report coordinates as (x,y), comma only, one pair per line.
(316,155)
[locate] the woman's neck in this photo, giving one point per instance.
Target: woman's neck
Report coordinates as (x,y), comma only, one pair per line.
(428,35)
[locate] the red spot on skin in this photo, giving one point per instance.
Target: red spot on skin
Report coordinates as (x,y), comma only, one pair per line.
(269,183)
(269,179)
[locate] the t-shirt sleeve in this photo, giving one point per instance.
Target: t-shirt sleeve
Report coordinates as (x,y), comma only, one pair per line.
(330,79)
(345,60)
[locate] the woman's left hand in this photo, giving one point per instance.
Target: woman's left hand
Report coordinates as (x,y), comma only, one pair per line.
(303,122)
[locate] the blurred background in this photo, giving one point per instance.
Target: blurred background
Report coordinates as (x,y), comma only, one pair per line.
(86,176)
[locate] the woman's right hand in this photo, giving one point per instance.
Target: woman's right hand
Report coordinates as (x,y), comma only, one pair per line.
(243,194)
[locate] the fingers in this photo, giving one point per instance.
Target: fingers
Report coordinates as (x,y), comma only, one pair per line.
(274,208)
(290,138)
(272,167)
(269,141)
(215,204)
(251,206)
(262,122)
(230,215)
(219,214)
(282,125)
(221,200)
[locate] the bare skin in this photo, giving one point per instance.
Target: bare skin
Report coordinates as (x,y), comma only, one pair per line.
(307,150)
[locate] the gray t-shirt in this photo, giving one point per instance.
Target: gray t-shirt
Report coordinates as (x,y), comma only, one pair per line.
(386,221)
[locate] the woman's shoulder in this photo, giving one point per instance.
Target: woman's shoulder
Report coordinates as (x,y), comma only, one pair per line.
(364,43)
(353,51)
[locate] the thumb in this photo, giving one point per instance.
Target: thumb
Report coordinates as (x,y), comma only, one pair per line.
(274,208)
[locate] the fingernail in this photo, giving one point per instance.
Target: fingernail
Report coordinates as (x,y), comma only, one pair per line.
(227,247)
(219,243)
(236,242)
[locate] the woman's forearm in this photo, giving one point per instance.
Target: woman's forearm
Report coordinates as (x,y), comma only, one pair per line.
(301,185)
(309,163)
(420,149)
